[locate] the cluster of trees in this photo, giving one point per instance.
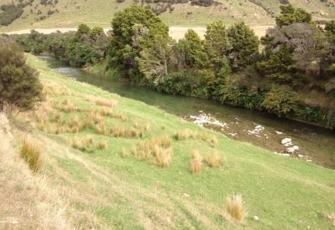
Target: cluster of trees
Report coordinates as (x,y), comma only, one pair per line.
(85,47)
(296,62)
(290,72)
(19,83)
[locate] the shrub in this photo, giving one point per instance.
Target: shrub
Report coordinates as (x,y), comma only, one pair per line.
(19,84)
(31,153)
(214,160)
(234,208)
(280,100)
(290,15)
(196,162)
(156,149)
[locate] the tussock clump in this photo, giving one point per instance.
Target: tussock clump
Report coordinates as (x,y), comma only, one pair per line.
(157,149)
(83,144)
(95,117)
(184,135)
(188,134)
(331,217)
(31,153)
(196,162)
(55,90)
(102,101)
(87,144)
(214,160)
(121,132)
(67,106)
(101,129)
(102,145)
(235,209)
(106,112)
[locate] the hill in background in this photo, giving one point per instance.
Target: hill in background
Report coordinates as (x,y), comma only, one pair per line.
(23,14)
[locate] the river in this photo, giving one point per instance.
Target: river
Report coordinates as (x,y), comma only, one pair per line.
(308,142)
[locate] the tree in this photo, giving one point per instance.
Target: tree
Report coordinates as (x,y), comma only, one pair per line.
(191,52)
(19,84)
(244,46)
(217,44)
(290,15)
(133,30)
(154,58)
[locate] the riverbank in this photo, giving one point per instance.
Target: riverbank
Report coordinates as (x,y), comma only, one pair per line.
(111,188)
(267,131)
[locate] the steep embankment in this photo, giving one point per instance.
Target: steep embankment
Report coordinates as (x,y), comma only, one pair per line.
(55,14)
(118,163)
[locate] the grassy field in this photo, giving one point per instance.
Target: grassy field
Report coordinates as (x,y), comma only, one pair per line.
(100,13)
(118,163)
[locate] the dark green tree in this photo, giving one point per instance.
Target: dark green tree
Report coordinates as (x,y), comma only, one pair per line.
(244,46)
(191,52)
(290,15)
(19,84)
(133,29)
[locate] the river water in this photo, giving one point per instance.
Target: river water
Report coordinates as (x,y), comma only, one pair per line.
(310,143)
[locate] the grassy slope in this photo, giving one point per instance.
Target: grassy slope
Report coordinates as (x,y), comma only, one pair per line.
(105,190)
(100,12)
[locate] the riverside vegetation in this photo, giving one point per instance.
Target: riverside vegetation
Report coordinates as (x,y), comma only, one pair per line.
(108,162)
(289,72)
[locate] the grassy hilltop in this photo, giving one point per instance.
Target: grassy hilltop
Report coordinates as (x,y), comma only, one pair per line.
(55,14)
(95,158)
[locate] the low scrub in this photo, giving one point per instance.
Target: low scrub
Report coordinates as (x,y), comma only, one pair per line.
(102,101)
(214,160)
(31,153)
(196,162)
(235,209)
(156,149)
(88,144)
(122,132)
(188,134)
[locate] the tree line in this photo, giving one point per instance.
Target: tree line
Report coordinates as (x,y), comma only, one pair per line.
(289,72)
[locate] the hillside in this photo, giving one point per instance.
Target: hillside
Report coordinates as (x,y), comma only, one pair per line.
(58,14)
(98,174)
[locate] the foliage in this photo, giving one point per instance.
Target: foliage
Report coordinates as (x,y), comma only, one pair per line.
(134,29)
(244,46)
(290,15)
(19,84)
(191,53)
(280,100)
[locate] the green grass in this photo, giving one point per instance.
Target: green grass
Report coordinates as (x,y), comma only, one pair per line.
(105,189)
(100,13)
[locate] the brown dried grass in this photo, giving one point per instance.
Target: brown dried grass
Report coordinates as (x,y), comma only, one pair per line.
(234,208)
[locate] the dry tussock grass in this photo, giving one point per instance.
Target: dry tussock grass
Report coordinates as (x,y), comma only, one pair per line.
(87,144)
(196,162)
(55,90)
(31,152)
(106,112)
(157,149)
(102,101)
(331,217)
(214,160)
(188,134)
(122,132)
(66,106)
(27,201)
(234,208)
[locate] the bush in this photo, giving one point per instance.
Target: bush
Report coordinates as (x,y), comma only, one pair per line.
(19,84)
(290,15)
(31,153)
(280,100)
